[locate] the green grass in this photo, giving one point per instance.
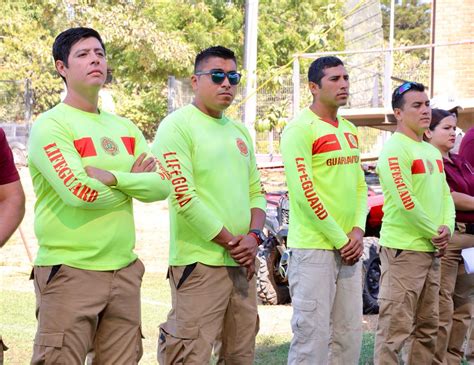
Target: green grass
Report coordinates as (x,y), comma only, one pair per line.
(18,323)
(367,350)
(272,349)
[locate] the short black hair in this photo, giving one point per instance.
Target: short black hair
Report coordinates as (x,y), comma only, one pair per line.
(398,99)
(65,40)
(316,70)
(216,51)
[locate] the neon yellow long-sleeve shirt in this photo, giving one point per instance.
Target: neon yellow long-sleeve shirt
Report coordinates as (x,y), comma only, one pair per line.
(215,183)
(326,185)
(79,221)
(417,199)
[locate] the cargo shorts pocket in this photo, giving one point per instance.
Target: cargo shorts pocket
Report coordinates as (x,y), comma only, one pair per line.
(392,294)
(176,341)
(303,320)
(48,349)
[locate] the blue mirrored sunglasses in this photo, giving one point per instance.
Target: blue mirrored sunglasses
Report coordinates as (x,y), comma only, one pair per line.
(218,76)
(403,88)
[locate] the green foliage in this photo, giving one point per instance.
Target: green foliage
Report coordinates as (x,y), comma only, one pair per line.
(263,146)
(412,23)
(275,118)
(412,65)
(148,40)
(144,106)
(25,49)
(288,27)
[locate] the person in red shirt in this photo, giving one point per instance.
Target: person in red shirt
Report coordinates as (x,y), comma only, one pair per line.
(12,201)
(12,198)
(466,149)
(456,287)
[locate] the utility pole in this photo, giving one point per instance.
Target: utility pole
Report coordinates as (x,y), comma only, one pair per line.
(250,65)
(389,59)
(296,86)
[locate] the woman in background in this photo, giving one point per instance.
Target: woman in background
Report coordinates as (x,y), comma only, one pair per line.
(456,287)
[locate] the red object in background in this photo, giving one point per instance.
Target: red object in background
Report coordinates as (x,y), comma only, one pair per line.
(375,204)
(274,198)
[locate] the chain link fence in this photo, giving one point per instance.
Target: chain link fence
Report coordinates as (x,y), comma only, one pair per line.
(275,102)
(16,101)
(16,107)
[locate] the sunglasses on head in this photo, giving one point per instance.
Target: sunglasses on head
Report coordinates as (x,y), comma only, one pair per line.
(403,88)
(218,76)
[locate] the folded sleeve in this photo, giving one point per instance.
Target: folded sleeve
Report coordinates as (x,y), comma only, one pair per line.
(52,151)
(144,186)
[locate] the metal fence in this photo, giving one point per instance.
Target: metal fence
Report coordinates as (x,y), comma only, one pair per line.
(372,78)
(369,71)
(16,107)
(16,101)
(366,91)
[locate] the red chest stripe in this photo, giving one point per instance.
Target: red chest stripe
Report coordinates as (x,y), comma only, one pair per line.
(418,167)
(129,143)
(440,165)
(85,147)
(326,143)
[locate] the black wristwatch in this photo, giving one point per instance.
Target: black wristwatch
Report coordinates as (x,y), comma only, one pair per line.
(259,235)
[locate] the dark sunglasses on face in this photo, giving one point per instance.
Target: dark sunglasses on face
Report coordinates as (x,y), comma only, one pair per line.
(218,76)
(403,88)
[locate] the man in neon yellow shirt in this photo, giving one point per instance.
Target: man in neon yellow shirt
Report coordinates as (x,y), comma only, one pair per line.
(216,213)
(86,166)
(328,204)
(416,227)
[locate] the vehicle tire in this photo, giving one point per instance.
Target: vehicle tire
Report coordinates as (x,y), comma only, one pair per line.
(370,275)
(270,289)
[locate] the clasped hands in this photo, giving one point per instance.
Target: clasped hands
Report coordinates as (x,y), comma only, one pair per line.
(243,249)
(441,240)
(352,251)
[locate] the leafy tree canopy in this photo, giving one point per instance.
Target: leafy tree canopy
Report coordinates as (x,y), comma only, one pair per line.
(148,40)
(412,23)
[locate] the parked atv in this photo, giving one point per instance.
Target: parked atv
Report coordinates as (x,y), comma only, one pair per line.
(272,280)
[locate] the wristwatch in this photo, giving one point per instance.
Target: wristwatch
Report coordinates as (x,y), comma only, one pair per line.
(258,234)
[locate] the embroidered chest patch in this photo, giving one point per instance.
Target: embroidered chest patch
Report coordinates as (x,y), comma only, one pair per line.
(109,146)
(242,147)
(430,167)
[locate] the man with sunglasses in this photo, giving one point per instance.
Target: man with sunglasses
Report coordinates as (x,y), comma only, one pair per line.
(217,211)
(417,225)
(328,205)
